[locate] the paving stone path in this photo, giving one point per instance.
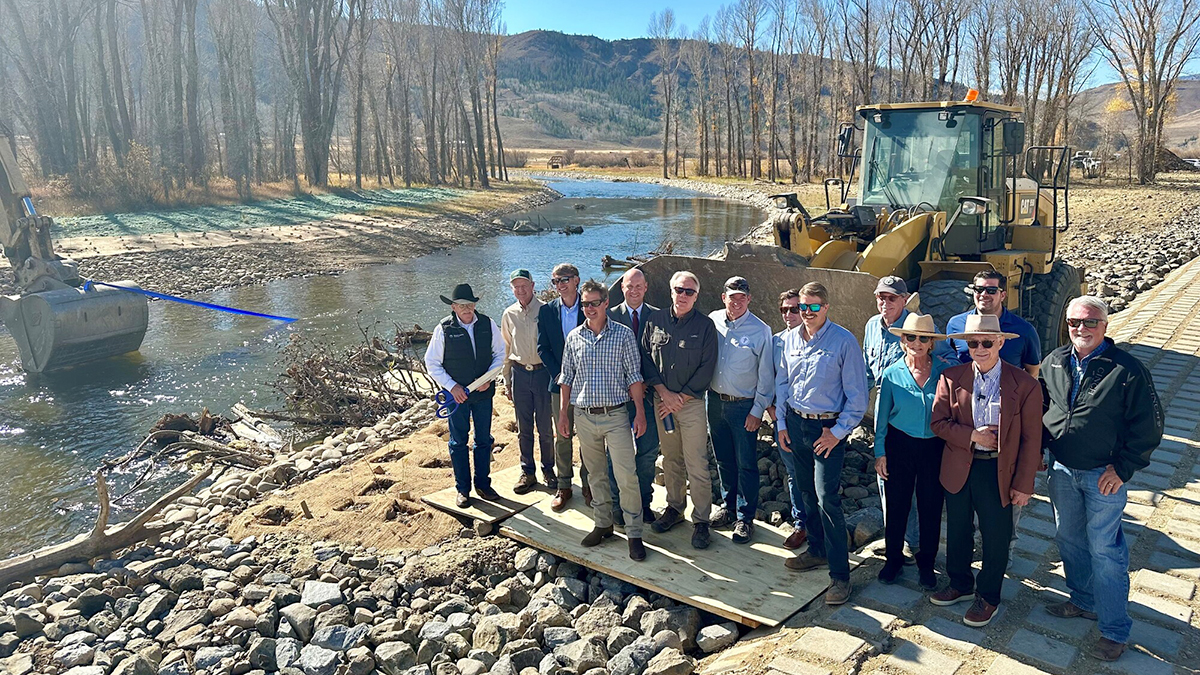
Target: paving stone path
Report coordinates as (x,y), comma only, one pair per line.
(894,629)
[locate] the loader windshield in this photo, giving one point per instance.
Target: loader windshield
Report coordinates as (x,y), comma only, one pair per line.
(920,158)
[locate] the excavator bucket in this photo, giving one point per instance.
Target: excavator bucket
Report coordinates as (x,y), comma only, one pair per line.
(770,271)
(69,326)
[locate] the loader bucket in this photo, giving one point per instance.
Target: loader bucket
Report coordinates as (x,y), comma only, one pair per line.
(851,294)
(69,326)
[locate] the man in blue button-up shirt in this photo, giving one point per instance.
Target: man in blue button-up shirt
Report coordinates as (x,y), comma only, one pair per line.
(1023,351)
(822,381)
(742,388)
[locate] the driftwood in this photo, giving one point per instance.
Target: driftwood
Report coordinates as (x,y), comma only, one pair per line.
(101,540)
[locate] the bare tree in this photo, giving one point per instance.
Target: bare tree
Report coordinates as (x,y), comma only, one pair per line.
(662,31)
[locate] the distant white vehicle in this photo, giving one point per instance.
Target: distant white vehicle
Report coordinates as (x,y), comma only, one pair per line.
(1193,161)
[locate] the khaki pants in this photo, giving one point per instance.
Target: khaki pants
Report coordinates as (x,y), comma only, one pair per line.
(594,432)
(564,455)
(685,460)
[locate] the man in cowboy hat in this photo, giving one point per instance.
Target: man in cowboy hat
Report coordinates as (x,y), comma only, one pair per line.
(989,412)
(1103,419)
(464,347)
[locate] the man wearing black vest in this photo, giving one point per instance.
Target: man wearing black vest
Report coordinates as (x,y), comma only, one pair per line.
(464,347)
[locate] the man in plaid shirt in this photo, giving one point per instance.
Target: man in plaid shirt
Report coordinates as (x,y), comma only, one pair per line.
(601,372)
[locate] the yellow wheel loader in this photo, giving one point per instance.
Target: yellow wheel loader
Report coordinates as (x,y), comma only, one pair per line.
(55,320)
(939,198)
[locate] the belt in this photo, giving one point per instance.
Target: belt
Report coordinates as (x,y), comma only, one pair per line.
(603,409)
(817,416)
(980,452)
(528,367)
(731,399)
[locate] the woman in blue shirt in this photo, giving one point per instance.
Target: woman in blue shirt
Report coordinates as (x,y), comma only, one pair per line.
(908,455)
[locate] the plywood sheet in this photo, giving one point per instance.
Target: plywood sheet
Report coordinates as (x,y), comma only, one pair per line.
(743,583)
(492,512)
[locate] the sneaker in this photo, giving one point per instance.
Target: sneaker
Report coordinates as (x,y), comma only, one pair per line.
(888,573)
(525,483)
(910,555)
(838,593)
(669,518)
(560,499)
(637,551)
(980,614)
(1068,610)
(796,539)
(488,494)
(462,500)
(700,536)
(805,561)
(596,536)
(742,532)
(927,579)
(1107,650)
(949,596)
(723,518)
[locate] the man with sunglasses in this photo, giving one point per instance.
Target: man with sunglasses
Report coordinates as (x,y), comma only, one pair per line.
(789,308)
(556,319)
(601,373)
(527,383)
(679,356)
(1022,351)
(742,387)
(1103,419)
(821,395)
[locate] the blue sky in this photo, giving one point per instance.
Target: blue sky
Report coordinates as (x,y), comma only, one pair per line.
(608,19)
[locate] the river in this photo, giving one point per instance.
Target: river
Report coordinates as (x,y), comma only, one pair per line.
(55,429)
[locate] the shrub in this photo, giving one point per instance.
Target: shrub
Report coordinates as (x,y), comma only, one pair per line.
(516,159)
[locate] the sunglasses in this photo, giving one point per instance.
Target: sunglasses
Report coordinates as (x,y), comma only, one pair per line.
(989,290)
(789,310)
(560,280)
(591,303)
(811,307)
(987,344)
(680,290)
(925,339)
(1090,323)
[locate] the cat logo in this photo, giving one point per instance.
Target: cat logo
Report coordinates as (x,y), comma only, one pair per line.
(1025,209)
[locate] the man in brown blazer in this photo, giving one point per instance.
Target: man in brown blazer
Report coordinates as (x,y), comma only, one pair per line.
(990,415)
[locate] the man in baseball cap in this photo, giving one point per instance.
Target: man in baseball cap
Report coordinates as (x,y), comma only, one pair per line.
(527,383)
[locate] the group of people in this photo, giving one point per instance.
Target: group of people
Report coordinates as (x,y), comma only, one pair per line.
(962,420)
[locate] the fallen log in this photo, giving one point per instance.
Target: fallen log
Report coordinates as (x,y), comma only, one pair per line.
(101,540)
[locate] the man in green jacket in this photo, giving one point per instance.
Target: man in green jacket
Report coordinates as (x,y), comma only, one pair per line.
(1103,419)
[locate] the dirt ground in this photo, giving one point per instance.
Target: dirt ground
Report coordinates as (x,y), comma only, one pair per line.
(376,501)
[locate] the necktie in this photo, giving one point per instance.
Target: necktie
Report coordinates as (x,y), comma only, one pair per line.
(636,332)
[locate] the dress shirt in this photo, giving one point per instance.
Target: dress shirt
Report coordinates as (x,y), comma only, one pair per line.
(569,316)
(744,360)
(1079,367)
(600,368)
(826,374)
(436,351)
(518,325)
(904,404)
(1022,351)
(882,348)
(679,353)
(985,401)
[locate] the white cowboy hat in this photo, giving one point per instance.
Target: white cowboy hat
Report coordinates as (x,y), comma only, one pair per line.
(982,324)
(918,324)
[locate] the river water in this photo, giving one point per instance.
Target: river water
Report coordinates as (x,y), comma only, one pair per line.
(55,429)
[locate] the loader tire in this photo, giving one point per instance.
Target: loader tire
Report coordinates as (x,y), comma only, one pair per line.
(1047,305)
(944,299)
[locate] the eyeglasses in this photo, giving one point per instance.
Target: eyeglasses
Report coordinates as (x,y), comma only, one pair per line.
(925,339)
(813,307)
(989,290)
(789,310)
(560,280)
(680,290)
(987,344)
(1090,323)
(887,297)
(591,303)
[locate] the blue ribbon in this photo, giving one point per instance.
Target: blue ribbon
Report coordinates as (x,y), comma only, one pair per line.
(195,303)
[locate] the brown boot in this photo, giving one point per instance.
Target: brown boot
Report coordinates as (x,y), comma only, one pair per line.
(795,540)
(587,495)
(596,536)
(838,593)
(1107,650)
(1068,610)
(637,550)
(560,499)
(525,483)
(805,561)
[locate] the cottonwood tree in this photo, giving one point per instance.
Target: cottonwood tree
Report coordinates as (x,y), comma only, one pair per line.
(662,30)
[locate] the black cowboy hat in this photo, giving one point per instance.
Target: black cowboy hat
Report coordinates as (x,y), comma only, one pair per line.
(462,293)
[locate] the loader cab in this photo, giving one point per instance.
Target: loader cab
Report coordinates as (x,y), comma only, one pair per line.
(926,156)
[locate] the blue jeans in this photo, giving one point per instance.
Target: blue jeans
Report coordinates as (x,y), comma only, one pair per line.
(793,485)
(645,455)
(819,479)
(531,400)
(737,458)
(476,410)
(1092,545)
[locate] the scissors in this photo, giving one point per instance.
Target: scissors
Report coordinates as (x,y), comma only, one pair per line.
(445,400)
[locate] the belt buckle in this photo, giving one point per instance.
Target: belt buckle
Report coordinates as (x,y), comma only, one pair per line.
(528,367)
